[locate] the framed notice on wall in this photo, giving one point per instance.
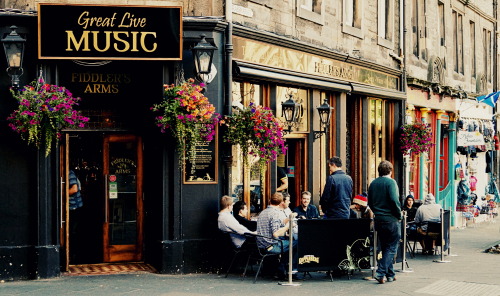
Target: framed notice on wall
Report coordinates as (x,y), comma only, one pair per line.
(203,169)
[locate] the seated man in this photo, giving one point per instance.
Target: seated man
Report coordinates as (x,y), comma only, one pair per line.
(306,210)
(360,208)
(228,223)
(270,225)
(240,211)
(428,212)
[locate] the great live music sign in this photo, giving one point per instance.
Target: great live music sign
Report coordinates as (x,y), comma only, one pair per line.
(99,32)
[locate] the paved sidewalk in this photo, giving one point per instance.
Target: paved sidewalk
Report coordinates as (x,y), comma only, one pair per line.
(472,272)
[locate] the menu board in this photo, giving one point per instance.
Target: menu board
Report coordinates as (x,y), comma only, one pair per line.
(203,169)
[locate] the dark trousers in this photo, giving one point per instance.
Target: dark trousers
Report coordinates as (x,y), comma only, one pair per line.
(389,234)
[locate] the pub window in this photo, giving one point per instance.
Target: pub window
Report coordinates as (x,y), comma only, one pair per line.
(245,93)
(458,56)
(419,30)
(385,22)
(376,135)
(352,17)
(312,10)
(473,49)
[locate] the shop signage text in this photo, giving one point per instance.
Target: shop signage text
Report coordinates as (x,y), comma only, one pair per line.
(280,57)
(101,83)
(110,32)
(465,138)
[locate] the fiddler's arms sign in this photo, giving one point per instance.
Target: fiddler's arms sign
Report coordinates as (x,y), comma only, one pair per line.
(99,32)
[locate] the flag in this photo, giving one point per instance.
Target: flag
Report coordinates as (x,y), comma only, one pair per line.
(490,99)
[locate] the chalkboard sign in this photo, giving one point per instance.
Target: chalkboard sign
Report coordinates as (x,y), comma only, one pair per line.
(203,170)
(336,244)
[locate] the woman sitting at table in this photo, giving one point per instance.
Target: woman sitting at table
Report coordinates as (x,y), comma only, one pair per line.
(409,208)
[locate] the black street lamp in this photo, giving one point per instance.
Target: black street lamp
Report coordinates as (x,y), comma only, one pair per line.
(203,57)
(13,45)
(325,112)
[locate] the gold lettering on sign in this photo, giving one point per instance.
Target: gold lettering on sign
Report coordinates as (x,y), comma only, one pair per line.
(101,82)
(334,71)
(308,259)
(123,165)
(103,41)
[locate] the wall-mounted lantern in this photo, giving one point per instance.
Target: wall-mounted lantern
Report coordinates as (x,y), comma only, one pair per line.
(290,111)
(325,111)
(13,45)
(203,53)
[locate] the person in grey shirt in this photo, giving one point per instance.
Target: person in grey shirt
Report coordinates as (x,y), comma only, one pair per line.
(228,223)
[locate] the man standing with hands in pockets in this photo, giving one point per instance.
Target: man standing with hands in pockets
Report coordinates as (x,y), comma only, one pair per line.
(383,199)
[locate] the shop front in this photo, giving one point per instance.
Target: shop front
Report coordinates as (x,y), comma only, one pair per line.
(366,102)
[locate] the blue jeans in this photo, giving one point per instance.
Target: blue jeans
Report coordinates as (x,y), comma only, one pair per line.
(284,257)
(389,234)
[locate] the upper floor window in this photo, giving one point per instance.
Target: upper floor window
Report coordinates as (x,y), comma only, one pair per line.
(487,53)
(312,10)
(472,48)
(442,24)
(419,29)
(352,16)
(385,22)
(458,42)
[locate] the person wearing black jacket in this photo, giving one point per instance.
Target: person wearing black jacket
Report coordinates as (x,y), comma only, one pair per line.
(335,201)
(240,211)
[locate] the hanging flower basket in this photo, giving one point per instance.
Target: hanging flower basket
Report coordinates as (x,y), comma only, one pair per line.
(258,132)
(415,138)
(189,116)
(43,111)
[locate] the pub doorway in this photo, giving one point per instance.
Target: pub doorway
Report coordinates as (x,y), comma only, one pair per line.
(107,227)
(295,166)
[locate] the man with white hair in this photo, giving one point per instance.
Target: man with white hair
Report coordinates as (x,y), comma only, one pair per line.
(430,211)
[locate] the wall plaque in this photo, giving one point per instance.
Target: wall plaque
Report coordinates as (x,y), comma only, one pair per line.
(100,32)
(205,166)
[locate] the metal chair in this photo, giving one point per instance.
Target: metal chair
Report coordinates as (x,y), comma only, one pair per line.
(246,249)
(259,254)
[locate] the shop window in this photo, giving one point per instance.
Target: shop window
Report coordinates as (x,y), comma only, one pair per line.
(312,10)
(352,17)
(300,96)
(242,177)
(385,23)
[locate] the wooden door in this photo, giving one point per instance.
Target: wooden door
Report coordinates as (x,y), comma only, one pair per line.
(123,204)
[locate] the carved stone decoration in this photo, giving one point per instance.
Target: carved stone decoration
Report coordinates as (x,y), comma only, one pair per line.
(481,84)
(436,70)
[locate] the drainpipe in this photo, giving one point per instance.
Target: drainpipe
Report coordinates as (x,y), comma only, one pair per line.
(227,156)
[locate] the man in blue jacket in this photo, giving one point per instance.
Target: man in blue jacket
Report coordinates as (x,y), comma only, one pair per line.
(336,198)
